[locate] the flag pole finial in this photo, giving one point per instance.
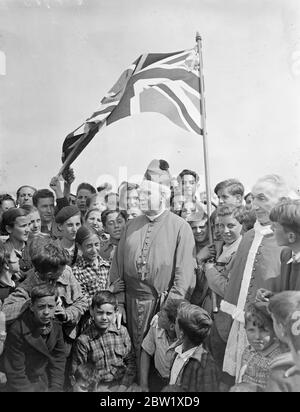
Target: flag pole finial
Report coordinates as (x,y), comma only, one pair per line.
(198,37)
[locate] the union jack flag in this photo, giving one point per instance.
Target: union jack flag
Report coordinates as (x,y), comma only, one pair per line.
(163,83)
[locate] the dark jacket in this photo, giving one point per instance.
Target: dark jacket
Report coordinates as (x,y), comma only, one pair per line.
(199,374)
(33,363)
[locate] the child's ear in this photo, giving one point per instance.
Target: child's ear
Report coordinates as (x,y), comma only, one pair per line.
(8,229)
(172,326)
(292,237)
(91,312)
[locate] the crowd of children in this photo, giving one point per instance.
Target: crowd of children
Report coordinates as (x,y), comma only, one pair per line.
(63,309)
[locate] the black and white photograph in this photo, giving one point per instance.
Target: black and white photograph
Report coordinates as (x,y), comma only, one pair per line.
(149,198)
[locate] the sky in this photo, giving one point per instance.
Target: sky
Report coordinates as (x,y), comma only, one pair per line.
(58,58)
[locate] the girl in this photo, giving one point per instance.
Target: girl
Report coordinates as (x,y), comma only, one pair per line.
(91,270)
(15,222)
(93,219)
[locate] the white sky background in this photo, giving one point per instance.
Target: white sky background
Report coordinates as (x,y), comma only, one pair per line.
(62,56)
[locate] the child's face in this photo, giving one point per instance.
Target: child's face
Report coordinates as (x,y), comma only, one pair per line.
(104,316)
(260,338)
(163,320)
(20,230)
(230,229)
(94,220)
(35,222)
(227,198)
(44,309)
(282,237)
(69,228)
(199,229)
(115,224)
(91,247)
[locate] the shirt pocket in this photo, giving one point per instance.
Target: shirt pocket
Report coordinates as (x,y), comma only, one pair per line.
(119,355)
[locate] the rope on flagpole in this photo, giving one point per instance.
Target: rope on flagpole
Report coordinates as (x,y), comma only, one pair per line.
(205,150)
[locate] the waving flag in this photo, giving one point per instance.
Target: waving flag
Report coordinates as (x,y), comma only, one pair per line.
(163,83)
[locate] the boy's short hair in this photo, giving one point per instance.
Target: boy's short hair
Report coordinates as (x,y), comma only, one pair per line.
(104,297)
(86,186)
(258,313)
(238,212)
(249,219)
(287,214)
(48,256)
(6,196)
(194,321)
(9,217)
(41,194)
(41,291)
(186,172)
(285,307)
(171,307)
(105,213)
(4,255)
(234,186)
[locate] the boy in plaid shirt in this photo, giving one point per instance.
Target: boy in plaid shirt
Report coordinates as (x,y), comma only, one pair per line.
(107,348)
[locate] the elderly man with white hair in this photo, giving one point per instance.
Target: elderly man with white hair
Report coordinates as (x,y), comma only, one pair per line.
(256,265)
(154,256)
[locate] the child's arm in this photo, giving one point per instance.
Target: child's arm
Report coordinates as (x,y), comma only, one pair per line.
(80,353)
(14,361)
(79,304)
(15,304)
(144,370)
(129,361)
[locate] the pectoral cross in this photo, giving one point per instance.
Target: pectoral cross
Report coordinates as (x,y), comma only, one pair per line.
(141,267)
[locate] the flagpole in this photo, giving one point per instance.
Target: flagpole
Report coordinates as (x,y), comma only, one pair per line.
(205,149)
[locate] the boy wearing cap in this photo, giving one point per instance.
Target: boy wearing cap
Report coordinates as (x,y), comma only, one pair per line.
(154,256)
(69,221)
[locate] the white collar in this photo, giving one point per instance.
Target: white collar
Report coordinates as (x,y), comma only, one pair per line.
(185,355)
(152,218)
(263,230)
(294,259)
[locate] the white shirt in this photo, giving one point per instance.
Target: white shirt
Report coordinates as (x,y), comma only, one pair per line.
(294,259)
(179,362)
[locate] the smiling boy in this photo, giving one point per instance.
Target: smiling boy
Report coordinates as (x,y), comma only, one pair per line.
(108,349)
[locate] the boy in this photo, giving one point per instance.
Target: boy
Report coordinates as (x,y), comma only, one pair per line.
(193,369)
(35,357)
(159,343)
(285,369)
(285,218)
(49,261)
(263,348)
(107,348)
(230,191)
